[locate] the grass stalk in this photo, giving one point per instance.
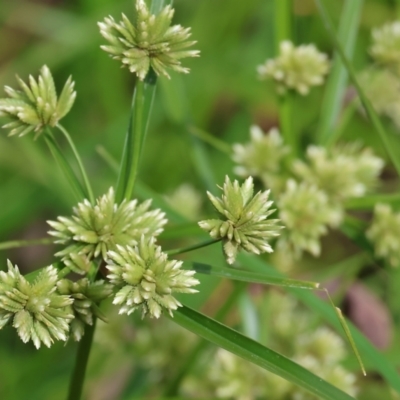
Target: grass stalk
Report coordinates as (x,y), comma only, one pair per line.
(79,162)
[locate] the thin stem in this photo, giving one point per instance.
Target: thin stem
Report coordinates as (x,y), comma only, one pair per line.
(65,167)
(193,356)
(78,375)
(138,129)
(79,161)
(182,250)
(12,244)
(210,139)
(107,157)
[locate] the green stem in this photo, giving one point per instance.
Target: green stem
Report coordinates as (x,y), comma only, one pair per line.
(78,375)
(136,143)
(12,244)
(65,167)
(210,139)
(182,250)
(193,356)
(79,161)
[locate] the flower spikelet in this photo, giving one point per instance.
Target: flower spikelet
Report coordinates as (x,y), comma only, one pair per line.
(37,311)
(306,212)
(385,47)
(261,157)
(149,42)
(245,224)
(343,172)
(86,296)
(95,229)
(298,68)
(36,105)
(384,233)
(147,278)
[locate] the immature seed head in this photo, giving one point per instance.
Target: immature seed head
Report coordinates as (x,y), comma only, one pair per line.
(95,229)
(147,278)
(298,68)
(36,105)
(245,222)
(148,42)
(36,310)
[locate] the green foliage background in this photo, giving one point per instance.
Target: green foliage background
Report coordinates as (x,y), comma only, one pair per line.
(221,95)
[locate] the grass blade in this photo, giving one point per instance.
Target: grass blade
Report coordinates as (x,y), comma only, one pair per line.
(371,356)
(251,277)
(337,81)
(256,353)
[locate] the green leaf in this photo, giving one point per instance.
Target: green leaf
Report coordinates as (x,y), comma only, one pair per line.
(337,81)
(256,353)
(251,277)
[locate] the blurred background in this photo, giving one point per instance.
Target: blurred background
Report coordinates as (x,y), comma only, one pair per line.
(221,96)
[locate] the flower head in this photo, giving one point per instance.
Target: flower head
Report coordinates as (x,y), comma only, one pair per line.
(245,224)
(384,233)
(342,172)
(149,42)
(36,105)
(297,68)
(382,88)
(306,212)
(261,157)
(147,278)
(95,229)
(385,47)
(37,311)
(86,296)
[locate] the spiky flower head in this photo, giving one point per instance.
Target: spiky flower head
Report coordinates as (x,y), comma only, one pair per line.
(298,68)
(37,311)
(384,234)
(245,222)
(385,47)
(147,278)
(344,171)
(306,212)
(382,87)
(95,229)
(86,295)
(261,157)
(36,105)
(149,42)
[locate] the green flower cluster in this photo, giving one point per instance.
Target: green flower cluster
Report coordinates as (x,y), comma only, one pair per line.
(95,229)
(86,296)
(298,68)
(245,222)
(306,212)
(149,42)
(36,105)
(384,233)
(342,172)
(36,310)
(262,157)
(147,278)
(385,47)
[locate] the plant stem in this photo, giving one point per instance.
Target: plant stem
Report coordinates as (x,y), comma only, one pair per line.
(12,244)
(210,139)
(65,167)
(182,250)
(79,161)
(78,375)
